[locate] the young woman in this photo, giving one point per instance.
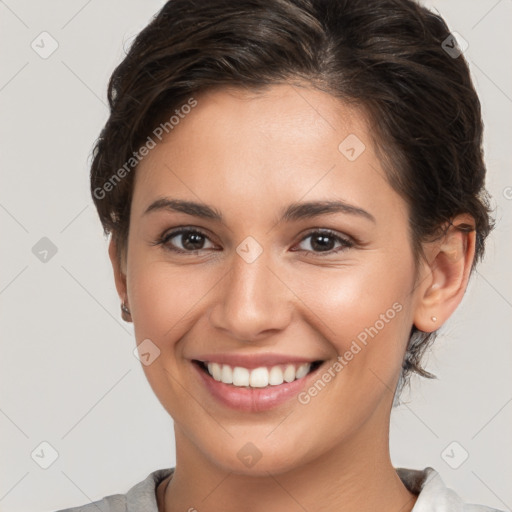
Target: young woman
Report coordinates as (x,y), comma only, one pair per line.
(295,193)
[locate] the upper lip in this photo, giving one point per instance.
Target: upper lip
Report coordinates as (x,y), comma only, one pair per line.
(251,361)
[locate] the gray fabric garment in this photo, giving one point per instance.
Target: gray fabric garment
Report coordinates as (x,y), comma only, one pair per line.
(434,496)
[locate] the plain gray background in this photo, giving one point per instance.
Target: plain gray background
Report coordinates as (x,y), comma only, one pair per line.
(68,374)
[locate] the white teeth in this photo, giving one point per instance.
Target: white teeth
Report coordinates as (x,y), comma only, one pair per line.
(215,370)
(258,377)
(289,373)
(275,376)
(227,374)
(302,371)
(240,376)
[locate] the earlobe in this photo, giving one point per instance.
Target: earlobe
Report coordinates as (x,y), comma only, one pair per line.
(445,281)
(119,271)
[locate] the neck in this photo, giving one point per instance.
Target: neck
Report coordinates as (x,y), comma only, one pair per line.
(356,475)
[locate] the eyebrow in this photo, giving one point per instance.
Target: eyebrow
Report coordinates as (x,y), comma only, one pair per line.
(294,212)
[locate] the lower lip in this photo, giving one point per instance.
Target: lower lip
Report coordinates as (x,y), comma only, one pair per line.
(253,399)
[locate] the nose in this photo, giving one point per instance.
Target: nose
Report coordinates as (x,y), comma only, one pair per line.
(252,301)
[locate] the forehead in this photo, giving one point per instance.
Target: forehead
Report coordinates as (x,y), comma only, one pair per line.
(281,113)
(278,144)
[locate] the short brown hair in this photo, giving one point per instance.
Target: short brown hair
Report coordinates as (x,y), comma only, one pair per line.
(387,56)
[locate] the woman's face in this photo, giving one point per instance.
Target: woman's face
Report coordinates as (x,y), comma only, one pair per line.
(270,276)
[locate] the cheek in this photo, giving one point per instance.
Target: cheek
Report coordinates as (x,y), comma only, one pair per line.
(364,313)
(164,298)
(165,302)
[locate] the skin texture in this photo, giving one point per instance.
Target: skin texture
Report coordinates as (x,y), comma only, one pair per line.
(249,156)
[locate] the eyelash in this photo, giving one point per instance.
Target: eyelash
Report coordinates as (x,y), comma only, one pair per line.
(345,242)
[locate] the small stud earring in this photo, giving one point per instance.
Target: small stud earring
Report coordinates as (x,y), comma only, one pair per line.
(434,319)
(125,312)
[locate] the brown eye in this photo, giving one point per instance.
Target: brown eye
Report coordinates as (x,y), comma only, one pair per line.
(186,240)
(325,242)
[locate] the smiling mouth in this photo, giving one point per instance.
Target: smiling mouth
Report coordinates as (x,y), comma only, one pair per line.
(260,377)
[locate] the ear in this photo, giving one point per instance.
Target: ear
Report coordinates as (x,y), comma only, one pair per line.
(445,274)
(119,268)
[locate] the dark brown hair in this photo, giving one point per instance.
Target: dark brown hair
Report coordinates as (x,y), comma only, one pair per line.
(391,58)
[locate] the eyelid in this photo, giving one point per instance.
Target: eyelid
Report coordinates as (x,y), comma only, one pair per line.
(168,235)
(327,231)
(346,241)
